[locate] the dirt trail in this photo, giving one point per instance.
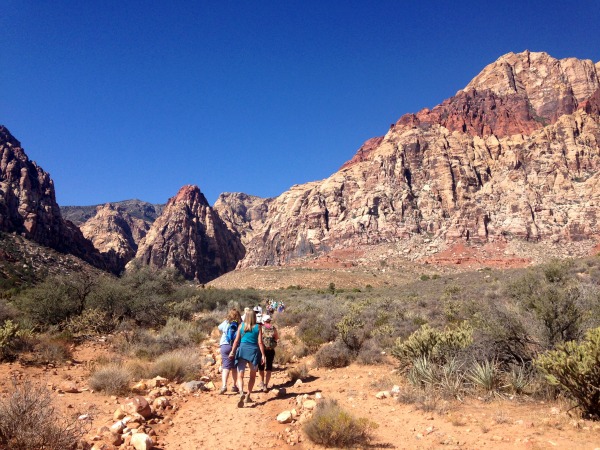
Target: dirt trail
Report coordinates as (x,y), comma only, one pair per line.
(207,420)
(210,420)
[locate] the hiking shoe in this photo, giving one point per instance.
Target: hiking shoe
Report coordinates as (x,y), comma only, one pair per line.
(241,401)
(248,399)
(223,390)
(235,390)
(265,389)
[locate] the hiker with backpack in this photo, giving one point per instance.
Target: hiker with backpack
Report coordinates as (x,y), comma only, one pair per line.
(270,337)
(247,349)
(229,328)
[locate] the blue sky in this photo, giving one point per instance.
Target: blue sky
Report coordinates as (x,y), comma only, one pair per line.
(134,99)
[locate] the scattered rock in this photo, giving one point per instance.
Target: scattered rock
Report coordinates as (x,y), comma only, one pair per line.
(141,441)
(285,417)
(137,405)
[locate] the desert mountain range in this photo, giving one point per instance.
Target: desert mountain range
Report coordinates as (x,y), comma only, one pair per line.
(512,156)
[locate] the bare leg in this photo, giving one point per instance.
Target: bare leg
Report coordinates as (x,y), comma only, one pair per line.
(240,380)
(224,375)
(267,378)
(251,380)
(234,376)
(262,377)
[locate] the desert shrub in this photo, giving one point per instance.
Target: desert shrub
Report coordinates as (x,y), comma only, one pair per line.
(111,297)
(331,426)
(178,333)
(12,340)
(51,349)
(30,421)
(299,372)
(519,378)
(554,298)
(208,322)
(178,365)
(575,366)
(370,353)
(146,344)
(504,333)
(352,327)
(333,355)
(55,299)
(91,321)
(6,311)
(112,378)
(290,350)
(432,343)
(316,329)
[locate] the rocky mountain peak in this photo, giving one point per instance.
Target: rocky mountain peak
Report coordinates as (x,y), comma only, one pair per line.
(28,204)
(191,237)
(191,195)
(552,87)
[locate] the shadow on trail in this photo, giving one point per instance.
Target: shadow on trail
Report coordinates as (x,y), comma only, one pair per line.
(288,384)
(285,396)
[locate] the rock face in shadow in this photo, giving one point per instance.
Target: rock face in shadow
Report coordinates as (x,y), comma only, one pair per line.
(115,233)
(242,213)
(515,154)
(28,205)
(190,237)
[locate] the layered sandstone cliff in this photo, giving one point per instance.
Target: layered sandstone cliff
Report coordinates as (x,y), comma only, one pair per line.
(115,233)
(514,155)
(28,205)
(242,213)
(190,237)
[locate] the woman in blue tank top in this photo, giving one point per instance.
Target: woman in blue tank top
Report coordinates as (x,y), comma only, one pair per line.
(250,349)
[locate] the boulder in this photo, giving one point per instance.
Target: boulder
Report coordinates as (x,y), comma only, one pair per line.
(284,417)
(137,405)
(141,441)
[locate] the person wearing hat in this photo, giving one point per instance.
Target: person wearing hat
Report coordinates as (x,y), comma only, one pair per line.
(270,337)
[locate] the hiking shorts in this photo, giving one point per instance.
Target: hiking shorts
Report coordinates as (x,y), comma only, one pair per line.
(226,361)
(269,357)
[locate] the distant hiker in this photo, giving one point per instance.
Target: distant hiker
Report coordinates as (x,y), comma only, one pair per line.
(229,328)
(270,337)
(258,311)
(250,350)
(246,310)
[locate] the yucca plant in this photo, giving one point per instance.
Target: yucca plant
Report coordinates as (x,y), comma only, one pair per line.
(422,373)
(485,376)
(451,379)
(519,378)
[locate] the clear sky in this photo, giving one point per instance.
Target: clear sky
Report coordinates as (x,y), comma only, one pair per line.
(122,99)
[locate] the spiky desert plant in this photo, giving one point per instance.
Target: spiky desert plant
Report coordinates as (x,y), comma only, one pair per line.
(486,376)
(575,366)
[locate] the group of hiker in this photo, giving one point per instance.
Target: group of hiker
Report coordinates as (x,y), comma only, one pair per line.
(247,340)
(273,305)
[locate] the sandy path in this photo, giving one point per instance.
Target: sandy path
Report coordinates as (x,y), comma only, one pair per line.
(210,420)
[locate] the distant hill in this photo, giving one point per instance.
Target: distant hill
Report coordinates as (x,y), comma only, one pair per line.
(139,209)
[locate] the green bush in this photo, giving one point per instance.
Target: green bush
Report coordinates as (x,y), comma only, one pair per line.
(575,366)
(333,355)
(12,339)
(432,343)
(331,426)
(178,365)
(30,421)
(113,379)
(316,329)
(91,322)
